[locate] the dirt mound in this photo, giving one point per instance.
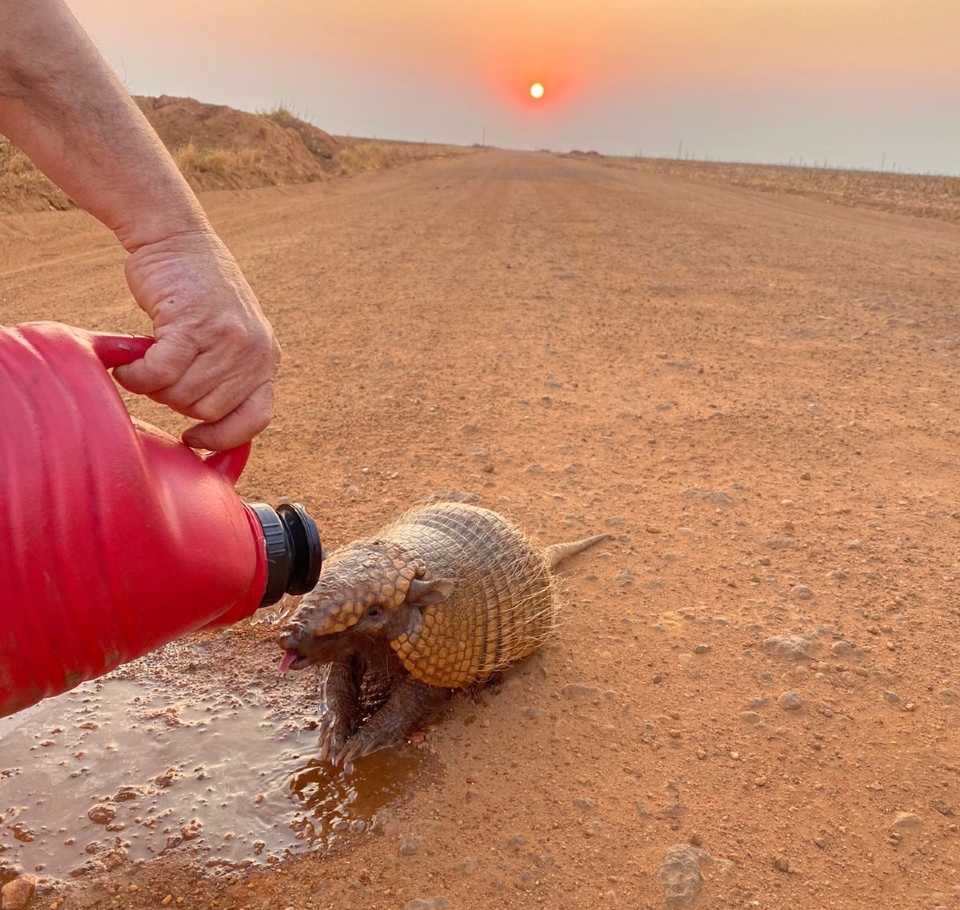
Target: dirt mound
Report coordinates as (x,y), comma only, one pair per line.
(215,146)
(218,147)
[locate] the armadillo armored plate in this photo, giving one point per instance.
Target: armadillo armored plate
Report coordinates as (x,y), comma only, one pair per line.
(503,605)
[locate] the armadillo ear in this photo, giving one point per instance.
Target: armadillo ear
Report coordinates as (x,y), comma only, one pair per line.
(429,591)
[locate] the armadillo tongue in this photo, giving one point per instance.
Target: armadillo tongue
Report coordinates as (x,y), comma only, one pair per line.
(288,658)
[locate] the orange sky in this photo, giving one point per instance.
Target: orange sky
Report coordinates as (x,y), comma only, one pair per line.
(816,74)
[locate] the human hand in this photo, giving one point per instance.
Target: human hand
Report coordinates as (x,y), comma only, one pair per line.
(215,357)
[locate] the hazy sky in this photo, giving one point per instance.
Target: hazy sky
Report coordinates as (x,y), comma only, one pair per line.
(852,82)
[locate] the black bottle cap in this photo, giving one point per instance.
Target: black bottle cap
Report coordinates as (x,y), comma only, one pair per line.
(293,549)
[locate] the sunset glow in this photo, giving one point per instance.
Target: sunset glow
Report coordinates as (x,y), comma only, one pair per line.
(845,81)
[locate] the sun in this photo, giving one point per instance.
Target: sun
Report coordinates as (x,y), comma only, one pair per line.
(536,90)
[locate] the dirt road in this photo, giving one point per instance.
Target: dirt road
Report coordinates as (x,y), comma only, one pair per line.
(756,393)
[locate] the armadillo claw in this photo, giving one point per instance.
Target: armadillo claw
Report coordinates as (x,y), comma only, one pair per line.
(333,737)
(360,746)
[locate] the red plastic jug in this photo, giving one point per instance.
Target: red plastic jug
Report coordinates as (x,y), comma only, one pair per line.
(118,538)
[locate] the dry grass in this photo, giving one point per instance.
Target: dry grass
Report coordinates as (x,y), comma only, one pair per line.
(23,187)
(311,136)
(927,196)
(359,155)
(13,161)
(233,168)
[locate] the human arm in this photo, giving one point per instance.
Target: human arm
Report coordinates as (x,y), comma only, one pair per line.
(216,357)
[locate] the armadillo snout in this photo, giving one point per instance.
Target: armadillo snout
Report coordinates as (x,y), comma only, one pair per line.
(292,636)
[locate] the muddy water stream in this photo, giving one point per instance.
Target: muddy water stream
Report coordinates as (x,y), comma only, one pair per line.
(189,749)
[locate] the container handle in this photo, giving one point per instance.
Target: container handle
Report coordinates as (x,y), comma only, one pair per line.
(116,350)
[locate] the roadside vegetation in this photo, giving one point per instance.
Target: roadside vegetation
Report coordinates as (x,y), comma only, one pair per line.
(250,157)
(925,195)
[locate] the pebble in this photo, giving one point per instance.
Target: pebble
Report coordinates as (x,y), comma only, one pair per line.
(410,845)
(841,647)
(624,579)
(790,701)
(781,543)
(750,717)
(892,698)
(16,894)
(9,869)
(906,820)
(101,814)
(574,689)
(679,873)
(802,592)
(791,647)
(782,864)
(433,903)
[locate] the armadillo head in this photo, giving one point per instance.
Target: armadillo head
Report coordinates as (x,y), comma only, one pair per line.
(364,591)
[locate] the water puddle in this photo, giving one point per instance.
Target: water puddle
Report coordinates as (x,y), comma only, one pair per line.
(182,751)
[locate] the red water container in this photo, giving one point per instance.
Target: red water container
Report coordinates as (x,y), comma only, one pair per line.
(118,538)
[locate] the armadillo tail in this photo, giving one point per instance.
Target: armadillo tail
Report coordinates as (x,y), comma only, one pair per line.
(558,552)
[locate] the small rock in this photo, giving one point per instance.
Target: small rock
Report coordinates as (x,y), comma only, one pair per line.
(842,647)
(905,820)
(410,845)
(433,903)
(891,698)
(16,894)
(585,804)
(679,873)
(782,864)
(624,579)
(782,543)
(791,647)
(9,869)
(573,690)
(101,814)
(802,592)
(790,701)
(701,649)
(750,717)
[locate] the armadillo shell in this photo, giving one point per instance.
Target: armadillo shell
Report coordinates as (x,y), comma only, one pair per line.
(503,606)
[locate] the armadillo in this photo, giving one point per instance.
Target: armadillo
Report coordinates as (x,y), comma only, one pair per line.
(441,599)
